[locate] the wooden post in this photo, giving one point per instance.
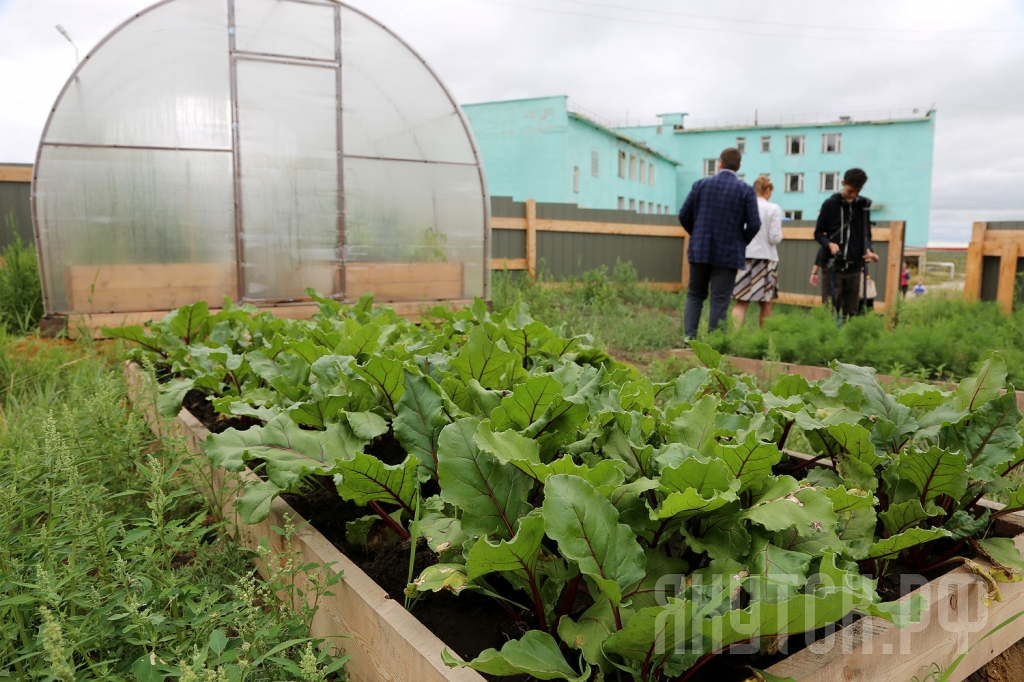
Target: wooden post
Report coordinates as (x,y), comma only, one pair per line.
(1007,276)
(975,263)
(686,262)
(531,237)
(894,265)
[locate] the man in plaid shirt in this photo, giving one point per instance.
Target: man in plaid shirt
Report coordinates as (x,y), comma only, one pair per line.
(721,216)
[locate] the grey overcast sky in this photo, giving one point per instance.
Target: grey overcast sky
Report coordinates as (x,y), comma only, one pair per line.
(637,58)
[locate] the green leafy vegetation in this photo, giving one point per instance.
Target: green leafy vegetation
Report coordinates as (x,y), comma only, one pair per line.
(111,566)
(619,311)
(938,336)
(531,455)
(21,297)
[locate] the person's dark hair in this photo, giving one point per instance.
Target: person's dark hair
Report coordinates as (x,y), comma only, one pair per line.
(731,158)
(855,178)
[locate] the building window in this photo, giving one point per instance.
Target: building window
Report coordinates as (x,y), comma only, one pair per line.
(650,175)
(795,145)
(829,182)
(742,177)
(643,207)
(622,203)
(622,164)
(831,143)
(632,204)
(710,167)
(632,167)
(595,165)
(794,182)
(643,171)
(576,179)
(793,215)
(741,144)
(766,143)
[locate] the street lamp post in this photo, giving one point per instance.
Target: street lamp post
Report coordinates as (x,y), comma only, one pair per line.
(64,33)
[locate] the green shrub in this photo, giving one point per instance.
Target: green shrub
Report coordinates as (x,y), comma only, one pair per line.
(21,299)
(618,310)
(938,337)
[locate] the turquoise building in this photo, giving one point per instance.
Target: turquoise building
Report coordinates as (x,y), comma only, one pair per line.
(806,162)
(538,149)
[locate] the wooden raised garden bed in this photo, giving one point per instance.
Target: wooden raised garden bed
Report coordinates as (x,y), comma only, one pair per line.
(957,619)
(388,644)
(764,370)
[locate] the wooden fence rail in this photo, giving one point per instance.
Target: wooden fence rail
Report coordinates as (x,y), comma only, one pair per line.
(892,235)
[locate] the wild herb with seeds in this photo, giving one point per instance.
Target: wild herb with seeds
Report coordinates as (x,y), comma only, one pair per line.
(111,566)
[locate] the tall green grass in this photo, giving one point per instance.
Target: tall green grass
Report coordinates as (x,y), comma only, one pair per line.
(21,298)
(111,566)
(616,308)
(934,337)
(939,336)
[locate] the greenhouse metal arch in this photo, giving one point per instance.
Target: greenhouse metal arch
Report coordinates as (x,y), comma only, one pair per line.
(252,149)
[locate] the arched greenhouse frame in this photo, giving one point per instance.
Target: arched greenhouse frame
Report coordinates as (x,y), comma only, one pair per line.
(252,149)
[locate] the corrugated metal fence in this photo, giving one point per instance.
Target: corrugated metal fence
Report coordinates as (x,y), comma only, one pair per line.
(565,241)
(15,209)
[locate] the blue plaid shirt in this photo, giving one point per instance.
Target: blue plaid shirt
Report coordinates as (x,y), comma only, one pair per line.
(721,216)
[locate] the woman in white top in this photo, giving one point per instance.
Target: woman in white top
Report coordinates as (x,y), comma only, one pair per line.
(760,281)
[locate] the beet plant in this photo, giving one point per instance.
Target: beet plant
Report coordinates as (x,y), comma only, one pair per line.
(630,526)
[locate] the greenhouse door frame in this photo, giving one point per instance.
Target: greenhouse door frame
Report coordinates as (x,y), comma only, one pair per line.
(234,56)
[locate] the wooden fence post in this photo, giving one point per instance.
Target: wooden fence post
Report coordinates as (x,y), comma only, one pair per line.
(975,262)
(531,237)
(686,261)
(1007,276)
(894,265)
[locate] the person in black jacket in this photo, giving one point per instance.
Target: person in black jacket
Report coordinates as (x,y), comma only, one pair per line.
(844,230)
(821,273)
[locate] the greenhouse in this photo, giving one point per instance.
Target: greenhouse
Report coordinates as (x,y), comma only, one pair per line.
(253,149)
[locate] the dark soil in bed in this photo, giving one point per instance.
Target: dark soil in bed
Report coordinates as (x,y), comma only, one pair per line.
(202,409)
(468,623)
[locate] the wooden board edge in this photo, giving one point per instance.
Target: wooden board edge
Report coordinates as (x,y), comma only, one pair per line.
(764,369)
(659,286)
(804,300)
(15,173)
(876,650)
(357,597)
(509,264)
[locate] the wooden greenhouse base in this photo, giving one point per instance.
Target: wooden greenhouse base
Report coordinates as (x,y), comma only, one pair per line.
(78,325)
(388,644)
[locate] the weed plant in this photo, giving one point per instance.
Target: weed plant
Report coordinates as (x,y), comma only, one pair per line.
(21,298)
(939,336)
(111,566)
(935,337)
(617,309)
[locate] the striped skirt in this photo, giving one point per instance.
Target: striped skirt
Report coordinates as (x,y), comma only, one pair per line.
(759,282)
